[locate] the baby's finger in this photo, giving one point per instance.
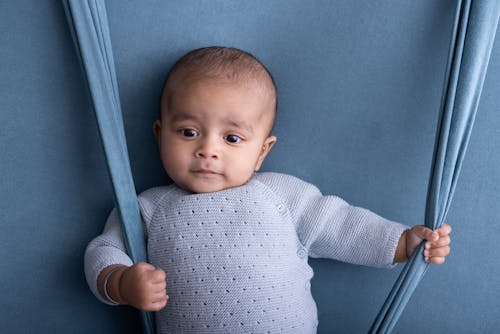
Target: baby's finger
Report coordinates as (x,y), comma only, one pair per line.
(435,260)
(444,230)
(159,296)
(437,252)
(159,303)
(160,287)
(441,242)
(424,233)
(158,276)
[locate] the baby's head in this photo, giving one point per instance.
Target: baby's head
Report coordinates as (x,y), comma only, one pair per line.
(217,111)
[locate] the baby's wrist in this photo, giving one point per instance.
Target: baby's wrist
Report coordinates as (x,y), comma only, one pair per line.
(408,251)
(112,285)
(401,254)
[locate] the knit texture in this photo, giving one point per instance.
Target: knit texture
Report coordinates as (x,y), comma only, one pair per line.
(236,260)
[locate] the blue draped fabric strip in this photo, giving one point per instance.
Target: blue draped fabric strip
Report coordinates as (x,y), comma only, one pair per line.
(474,31)
(89,25)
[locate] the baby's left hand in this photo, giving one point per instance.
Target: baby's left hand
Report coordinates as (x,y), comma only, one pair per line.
(437,246)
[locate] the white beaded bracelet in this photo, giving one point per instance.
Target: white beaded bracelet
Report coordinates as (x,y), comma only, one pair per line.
(105,284)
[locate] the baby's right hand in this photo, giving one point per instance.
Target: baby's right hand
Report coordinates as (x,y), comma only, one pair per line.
(144,287)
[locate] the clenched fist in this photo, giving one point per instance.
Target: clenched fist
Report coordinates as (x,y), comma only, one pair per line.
(141,285)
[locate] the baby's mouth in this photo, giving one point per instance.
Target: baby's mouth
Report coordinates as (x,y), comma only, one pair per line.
(205,171)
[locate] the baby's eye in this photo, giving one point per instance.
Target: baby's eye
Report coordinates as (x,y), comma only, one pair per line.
(189,132)
(233,139)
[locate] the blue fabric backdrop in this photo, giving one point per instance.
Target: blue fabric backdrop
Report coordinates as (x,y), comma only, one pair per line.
(372,71)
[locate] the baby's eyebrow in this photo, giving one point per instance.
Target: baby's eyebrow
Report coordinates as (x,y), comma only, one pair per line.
(240,125)
(179,117)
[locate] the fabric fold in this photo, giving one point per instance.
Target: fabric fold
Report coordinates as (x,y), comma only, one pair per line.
(89,26)
(474,31)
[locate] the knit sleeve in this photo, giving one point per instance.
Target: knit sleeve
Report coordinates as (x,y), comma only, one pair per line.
(105,250)
(329,227)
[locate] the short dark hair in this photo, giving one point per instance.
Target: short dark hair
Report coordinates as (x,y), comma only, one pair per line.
(223,63)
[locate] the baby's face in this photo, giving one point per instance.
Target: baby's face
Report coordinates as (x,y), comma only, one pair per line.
(212,135)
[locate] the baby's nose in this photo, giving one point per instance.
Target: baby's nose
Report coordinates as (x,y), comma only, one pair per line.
(208,149)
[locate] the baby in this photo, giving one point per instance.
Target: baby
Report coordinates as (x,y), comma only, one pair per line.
(235,243)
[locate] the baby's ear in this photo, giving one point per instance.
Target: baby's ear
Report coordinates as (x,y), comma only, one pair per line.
(157,131)
(266,147)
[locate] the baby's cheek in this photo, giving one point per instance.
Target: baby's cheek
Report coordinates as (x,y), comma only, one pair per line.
(240,172)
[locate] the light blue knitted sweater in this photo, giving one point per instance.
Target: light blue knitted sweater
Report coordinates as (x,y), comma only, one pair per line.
(236,260)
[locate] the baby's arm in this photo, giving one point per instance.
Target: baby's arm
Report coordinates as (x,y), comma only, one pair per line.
(329,227)
(141,285)
(436,248)
(137,285)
